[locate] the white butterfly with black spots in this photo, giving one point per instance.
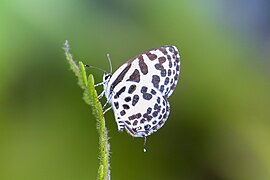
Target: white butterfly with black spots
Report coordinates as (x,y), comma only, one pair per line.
(138,91)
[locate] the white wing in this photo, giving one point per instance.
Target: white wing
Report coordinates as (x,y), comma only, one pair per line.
(159,67)
(148,79)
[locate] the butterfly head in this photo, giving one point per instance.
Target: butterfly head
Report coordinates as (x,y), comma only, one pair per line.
(106,77)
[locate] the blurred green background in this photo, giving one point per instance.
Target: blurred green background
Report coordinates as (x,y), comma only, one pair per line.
(219,125)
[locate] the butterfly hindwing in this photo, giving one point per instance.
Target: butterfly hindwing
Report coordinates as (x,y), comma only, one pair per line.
(139,109)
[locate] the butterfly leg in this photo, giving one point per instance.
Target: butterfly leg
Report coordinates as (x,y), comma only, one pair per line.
(108,100)
(106,110)
(105,105)
(98,84)
(101,95)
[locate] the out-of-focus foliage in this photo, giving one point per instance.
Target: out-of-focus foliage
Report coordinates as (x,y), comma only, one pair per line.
(219,123)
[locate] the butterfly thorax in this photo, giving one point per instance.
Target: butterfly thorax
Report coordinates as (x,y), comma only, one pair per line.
(106,80)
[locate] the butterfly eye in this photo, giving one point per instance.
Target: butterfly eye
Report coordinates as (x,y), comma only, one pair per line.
(107,76)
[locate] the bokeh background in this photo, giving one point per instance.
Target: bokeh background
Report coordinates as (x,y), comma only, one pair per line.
(219,125)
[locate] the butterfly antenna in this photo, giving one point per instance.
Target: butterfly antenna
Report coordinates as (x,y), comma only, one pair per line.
(144,145)
(109,59)
(95,68)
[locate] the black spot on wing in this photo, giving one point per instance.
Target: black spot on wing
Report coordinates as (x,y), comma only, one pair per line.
(161,60)
(147,116)
(171,49)
(127,99)
(135,76)
(163,50)
(148,111)
(169,72)
(155,81)
(144,89)
(147,127)
(163,102)
(161,88)
(160,122)
(155,113)
(158,100)
(132,88)
(151,56)
(163,73)
(157,107)
(120,77)
(135,123)
(122,113)
(120,92)
(167,80)
(135,100)
(170,63)
(159,66)
(153,91)
(163,110)
(135,116)
(143,121)
(142,65)
(125,106)
(147,96)
(116,104)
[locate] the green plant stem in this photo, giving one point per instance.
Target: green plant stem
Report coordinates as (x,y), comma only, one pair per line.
(91,98)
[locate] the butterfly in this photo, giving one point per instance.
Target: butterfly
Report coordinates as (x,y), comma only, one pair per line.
(138,91)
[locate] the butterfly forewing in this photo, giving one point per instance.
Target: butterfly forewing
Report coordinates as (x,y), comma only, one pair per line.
(139,89)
